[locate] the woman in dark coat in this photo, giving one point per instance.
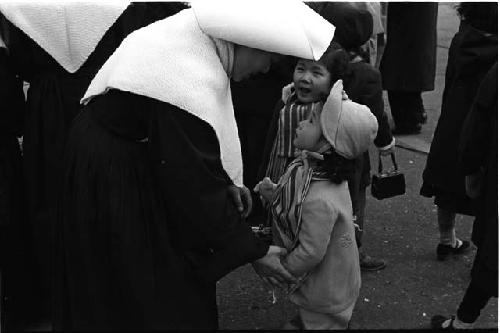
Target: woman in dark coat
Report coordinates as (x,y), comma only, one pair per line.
(479,164)
(473,51)
(408,65)
(146,223)
(53,100)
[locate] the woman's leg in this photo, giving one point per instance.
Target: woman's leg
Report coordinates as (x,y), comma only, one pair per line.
(446,225)
(366,262)
(449,244)
(474,300)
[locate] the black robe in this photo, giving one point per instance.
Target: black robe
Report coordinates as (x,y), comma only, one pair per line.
(12,241)
(11,127)
(472,53)
(409,59)
(53,100)
(145,226)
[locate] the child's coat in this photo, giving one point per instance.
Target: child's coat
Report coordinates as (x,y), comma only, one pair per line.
(326,250)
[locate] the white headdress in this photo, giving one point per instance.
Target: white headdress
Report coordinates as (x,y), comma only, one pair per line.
(176,60)
(68,31)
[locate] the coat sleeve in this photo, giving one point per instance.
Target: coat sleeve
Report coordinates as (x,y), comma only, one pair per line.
(186,159)
(372,97)
(318,219)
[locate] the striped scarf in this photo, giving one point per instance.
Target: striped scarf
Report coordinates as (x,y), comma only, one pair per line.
(290,117)
(286,206)
(283,150)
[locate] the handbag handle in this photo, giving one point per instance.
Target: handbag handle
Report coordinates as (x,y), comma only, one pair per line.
(393,158)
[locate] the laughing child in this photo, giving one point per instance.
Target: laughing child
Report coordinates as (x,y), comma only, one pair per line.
(312,211)
(312,81)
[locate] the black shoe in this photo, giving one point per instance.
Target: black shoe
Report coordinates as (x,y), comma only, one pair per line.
(367,263)
(446,251)
(406,129)
(437,322)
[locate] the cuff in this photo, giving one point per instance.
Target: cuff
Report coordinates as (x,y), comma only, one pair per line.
(389,146)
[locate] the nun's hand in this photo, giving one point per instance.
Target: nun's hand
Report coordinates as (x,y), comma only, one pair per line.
(270,269)
(242,199)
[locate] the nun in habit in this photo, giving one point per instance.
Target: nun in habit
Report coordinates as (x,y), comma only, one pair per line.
(147,221)
(58,47)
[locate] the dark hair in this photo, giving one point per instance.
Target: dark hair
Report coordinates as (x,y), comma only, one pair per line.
(336,167)
(336,61)
(481,15)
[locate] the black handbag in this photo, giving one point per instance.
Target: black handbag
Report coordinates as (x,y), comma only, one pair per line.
(388,184)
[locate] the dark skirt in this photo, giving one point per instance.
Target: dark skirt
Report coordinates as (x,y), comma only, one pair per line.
(115,266)
(18,286)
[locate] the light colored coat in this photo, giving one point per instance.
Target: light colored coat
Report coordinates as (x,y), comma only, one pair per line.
(327,251)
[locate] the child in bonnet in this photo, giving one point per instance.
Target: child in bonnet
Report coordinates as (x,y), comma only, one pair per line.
(312,211)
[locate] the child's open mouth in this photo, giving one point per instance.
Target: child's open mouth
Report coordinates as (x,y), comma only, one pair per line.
(304,91)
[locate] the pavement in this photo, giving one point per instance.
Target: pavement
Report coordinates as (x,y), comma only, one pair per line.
(402,230)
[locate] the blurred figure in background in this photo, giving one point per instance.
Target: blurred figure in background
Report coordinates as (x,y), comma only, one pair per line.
(472,52)
(375,45)
(408,65)
(479,164)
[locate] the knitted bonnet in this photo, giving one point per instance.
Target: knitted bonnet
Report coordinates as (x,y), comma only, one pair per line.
(348,126)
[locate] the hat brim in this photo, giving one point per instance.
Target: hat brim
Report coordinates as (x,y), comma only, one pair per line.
(332,111)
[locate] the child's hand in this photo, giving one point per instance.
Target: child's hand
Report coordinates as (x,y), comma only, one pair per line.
(287,92)
(265,188)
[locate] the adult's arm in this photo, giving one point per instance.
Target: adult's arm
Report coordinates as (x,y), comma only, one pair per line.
(194,185)
(372,97)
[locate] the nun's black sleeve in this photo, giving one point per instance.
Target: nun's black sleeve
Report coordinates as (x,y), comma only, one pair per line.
(205,223)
